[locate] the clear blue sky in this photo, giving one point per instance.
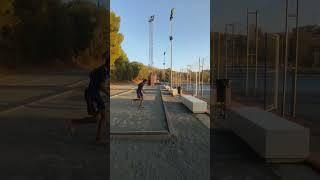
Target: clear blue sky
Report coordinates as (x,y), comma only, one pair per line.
(191,30)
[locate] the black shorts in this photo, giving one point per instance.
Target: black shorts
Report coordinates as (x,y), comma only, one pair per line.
(139,94)
(95,103)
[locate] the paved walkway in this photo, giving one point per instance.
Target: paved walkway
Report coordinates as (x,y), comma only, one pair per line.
(34,144)
(187,156)
(126,116)
(120,88)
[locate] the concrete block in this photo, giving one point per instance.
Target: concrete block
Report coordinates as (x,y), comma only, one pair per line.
(168,88)
(274,138)
(173,92)
(194,104)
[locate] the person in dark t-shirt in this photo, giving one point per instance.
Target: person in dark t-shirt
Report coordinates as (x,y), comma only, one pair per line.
(139,93)
(99,79)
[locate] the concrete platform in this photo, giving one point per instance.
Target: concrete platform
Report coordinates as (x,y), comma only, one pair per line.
(173,92)
(194,104)
(272,137)
(126,116)
(185,156)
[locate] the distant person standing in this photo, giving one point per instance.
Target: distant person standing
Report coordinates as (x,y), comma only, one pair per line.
(139,93)
(99,79)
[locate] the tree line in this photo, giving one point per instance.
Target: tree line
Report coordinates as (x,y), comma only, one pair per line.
(48,31)
(45,32)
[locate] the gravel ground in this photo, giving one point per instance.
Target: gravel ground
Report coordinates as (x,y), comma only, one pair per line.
(125,115)
(185,156)
(35,145)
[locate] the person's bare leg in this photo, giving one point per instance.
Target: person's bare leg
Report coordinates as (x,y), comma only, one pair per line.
(141,101)
(100,139)
(72,123)
(133,100)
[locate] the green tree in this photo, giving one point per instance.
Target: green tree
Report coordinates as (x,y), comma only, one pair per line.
(7,18)
(116,39)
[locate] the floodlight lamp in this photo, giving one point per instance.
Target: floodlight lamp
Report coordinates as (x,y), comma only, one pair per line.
(172,12)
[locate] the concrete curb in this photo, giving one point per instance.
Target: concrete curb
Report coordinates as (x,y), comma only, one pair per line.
(149,137)
(160,135)
(139,133)
(169,124)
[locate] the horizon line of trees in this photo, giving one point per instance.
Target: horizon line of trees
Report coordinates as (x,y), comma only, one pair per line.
(52,31)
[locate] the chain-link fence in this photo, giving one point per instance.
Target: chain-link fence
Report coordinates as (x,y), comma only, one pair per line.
(194,79)
(272,57)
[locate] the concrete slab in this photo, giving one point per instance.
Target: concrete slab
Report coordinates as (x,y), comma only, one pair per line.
(126,116)
(194,104)
(35,142)
(173,92)
(187,156)
(272,137)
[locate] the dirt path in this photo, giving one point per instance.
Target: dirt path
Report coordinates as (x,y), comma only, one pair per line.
(187,156)
(126,116)
(34,143)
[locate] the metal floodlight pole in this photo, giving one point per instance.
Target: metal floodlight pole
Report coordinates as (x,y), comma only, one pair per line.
(294,101)
(199,75)
(276,37)
(212,57)
(184,77)
(265,70)
(284,85)
(247,62)
(219,55)
(190,78)
(226,34)
(202,78)
(196,73)
(179,73)
(233,44)
(255,54)
(179,76)
(226,52)
(164,67)
(187,79)
(151,19)
(171,39)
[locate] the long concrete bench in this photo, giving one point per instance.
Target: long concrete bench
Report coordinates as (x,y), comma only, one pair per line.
(167,87)
(275,139)
(164,87)
(194,104)
(173,92)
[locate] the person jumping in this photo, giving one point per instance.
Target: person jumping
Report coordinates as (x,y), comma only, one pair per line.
(139,93)
(99,78)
